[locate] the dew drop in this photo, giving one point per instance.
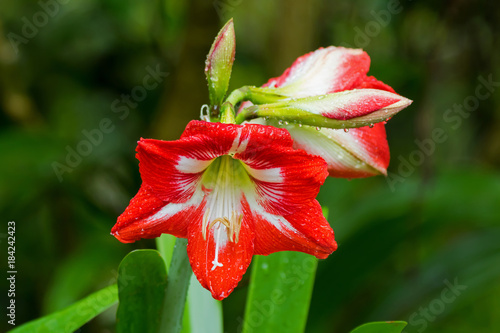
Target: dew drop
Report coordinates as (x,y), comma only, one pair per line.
(318,128)
(280,122)
(300,124)
(346,130)
(371,125)
(286,122)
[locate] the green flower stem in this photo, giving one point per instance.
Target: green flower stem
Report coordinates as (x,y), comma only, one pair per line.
(256,95)
(179,275)
(245,114)
(227,113)
(238,95)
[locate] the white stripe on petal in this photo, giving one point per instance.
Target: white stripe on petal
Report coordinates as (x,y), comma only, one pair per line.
(192,165)
(173,208)
(320,73)
(353,103)
(332,146)
(238,146)
(272,175)
(224,183)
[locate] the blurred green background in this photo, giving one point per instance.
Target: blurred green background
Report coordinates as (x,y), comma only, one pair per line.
(403,240)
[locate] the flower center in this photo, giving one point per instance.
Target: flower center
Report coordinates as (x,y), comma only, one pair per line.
(224,182)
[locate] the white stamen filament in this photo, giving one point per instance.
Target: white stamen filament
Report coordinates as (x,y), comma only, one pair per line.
(223,207)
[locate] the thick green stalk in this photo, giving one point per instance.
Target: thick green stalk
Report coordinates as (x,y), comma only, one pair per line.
(238,95)
(179,275)
(165,245)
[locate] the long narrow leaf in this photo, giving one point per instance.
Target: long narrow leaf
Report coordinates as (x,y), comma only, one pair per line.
(204,314)
(280,293)
(381,327)
(175,294)
(74,316)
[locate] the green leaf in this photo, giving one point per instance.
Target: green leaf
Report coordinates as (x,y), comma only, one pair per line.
(74,316)
(219,63)
(142,280)
(381,327)
(280,292)
(165,245)
(178,284)
(204,313)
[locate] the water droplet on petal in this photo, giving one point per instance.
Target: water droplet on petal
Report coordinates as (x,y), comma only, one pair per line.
(318,128)
(371,125)
(346,130)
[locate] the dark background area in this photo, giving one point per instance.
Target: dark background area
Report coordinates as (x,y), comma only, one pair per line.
(403,240)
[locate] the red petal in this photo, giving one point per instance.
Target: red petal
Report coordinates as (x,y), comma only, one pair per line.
(368,144)
(149,217)
(372,83)
(172,169)
(285,178)
(324,71)
(305,231)
(361,152)
(234,257)
(358,103)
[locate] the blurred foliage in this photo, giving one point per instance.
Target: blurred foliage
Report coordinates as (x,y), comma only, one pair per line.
(400,242)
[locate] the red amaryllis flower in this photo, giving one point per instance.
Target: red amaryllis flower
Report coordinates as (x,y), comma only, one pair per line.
(338,77)
(233,191)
